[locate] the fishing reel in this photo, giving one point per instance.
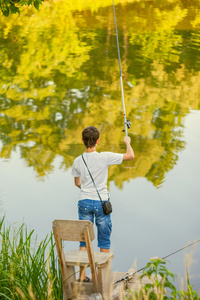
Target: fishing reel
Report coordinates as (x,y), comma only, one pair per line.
(128,124)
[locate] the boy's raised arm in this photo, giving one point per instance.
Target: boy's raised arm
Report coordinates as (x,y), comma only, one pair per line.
(129,155)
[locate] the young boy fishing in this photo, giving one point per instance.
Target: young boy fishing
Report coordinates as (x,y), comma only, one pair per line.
(89,204)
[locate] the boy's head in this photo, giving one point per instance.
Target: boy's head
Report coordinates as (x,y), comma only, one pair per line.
(90,135)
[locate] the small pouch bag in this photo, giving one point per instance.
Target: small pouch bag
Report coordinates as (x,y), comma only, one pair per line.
(107,207)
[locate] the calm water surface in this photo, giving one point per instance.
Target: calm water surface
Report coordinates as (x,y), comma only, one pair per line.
(59,73)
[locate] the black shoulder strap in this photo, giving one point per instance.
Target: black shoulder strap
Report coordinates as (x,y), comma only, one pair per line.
(91,177)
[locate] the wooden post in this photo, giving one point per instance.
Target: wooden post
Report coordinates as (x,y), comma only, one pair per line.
(61,258)
(105,280)
(91,258)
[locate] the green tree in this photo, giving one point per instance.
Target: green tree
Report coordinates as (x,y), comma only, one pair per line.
(12,7)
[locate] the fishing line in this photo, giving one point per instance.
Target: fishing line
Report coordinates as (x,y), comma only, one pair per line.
(129,276)
(126,122)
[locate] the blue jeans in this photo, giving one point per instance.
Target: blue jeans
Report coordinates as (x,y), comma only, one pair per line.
(87,210)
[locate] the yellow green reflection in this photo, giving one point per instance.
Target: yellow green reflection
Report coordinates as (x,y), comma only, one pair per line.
(59,73)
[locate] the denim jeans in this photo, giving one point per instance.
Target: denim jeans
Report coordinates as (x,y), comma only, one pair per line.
(87,210)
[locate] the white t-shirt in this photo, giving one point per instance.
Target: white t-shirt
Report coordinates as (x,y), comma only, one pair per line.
(98,164)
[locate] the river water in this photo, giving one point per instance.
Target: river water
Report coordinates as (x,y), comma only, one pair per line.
(59,73)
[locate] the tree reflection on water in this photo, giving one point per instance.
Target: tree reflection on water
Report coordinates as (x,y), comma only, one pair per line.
(59,74)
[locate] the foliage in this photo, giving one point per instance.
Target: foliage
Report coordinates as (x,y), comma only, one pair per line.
(28,270)
(162,279)
(161,284)
(60,78)
(190,294)
(12,7)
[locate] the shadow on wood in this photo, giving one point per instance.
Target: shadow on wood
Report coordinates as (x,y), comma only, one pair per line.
(99,262)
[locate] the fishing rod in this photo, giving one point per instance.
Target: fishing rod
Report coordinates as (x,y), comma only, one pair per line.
(130,276)
(126,122)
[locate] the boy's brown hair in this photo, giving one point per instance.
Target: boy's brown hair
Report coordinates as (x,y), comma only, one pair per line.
(90,136)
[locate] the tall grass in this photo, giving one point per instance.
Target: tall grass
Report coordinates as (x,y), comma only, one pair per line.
(28,269)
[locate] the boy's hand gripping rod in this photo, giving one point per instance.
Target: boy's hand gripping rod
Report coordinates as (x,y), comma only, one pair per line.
(126,122)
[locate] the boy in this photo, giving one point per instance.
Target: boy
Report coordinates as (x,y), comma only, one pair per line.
(89,204)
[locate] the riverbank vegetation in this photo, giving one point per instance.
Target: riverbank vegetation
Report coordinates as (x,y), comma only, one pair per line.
(162,285)
(29,270)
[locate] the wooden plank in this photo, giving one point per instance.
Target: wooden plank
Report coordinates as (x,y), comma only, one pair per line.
(82,297)
(68,281)
(90,253)
(82,288)
(105,280)
(80,258)
(72,230)
(61,259)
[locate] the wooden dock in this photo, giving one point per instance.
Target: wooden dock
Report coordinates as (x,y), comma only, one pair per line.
(101,285)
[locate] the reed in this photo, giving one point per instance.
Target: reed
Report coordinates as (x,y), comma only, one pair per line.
(28,269)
